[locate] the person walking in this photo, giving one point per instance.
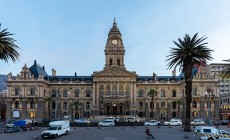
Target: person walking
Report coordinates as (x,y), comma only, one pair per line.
(148,133)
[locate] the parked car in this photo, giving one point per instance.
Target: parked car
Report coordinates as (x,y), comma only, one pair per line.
(173,122)
(82,120)
(152,122)
(106,123)
(131,119)
(197,122)
(222,122)
(112,118)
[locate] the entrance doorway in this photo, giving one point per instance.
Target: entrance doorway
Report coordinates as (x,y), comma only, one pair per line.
(114,109)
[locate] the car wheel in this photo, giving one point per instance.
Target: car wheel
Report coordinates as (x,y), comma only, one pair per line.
(55,136)
(210,138)
(67,132)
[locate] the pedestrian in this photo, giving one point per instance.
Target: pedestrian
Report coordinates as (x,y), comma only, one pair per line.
(148,133)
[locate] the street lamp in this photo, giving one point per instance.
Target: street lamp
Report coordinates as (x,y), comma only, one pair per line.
(208,95)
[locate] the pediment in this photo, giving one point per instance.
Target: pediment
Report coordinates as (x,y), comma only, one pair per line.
(114,71)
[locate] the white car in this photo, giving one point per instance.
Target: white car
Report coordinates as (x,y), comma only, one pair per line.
(197,122)
(112,118)
(106,123)
(152,122)
(174,122)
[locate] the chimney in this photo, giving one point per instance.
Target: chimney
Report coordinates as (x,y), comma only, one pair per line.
(174,72)
(75,74)
(43,67)
(53,72)
(154,76)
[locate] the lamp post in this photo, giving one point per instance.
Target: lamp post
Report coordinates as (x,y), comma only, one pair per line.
(208,96)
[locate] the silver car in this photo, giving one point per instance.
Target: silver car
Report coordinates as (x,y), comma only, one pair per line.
(152,122)
(106,123)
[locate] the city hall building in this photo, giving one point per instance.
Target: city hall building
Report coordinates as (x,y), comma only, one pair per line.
(113,91)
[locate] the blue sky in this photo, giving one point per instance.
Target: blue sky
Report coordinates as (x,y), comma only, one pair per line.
(70,36)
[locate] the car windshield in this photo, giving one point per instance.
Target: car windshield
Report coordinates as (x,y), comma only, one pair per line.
(52,128)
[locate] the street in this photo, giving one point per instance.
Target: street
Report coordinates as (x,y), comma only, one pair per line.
(108,133)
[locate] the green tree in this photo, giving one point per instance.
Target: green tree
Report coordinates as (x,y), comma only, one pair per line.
(152,93)
(188,52)
(8,47)
(76,106)
(49,100)
(226,72)
(179,102)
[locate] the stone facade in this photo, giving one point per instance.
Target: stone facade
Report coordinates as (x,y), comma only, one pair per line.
(111,91)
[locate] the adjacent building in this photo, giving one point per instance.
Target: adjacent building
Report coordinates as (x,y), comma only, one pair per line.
(213,71)
(113,91)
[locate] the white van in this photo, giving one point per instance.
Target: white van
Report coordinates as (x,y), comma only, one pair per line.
(56,129)
(131,119)
(210,133)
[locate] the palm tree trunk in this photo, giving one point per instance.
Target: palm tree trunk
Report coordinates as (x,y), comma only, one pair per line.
(188,92)
(152,108)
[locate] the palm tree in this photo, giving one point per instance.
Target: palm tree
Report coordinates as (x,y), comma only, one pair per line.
(7,47)
(188,52)
(76,106)
(226,72)
(49,100)
(179,102)
(152,93)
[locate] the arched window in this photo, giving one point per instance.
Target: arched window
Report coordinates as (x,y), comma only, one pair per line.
(32,104)
(194,104)
(162,93)
(194,114)
(174,93)
(141,93)
(88,93)
(77,93)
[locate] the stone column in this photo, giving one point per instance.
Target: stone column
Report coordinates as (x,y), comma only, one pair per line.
(59,111)
(40,110)
(169,110)
(202,110)
(94,95)
(216,109)
(9,110)
(157,111)
(24,109)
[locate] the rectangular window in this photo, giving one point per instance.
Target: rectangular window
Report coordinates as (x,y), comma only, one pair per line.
(17,91)
(32,91)
(141,105)
(87,105)
(162,104)
(151,104)
(65,105)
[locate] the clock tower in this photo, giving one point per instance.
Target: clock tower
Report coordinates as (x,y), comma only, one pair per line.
(114,49)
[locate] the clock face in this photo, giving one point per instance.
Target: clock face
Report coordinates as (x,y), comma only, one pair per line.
(114,42)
